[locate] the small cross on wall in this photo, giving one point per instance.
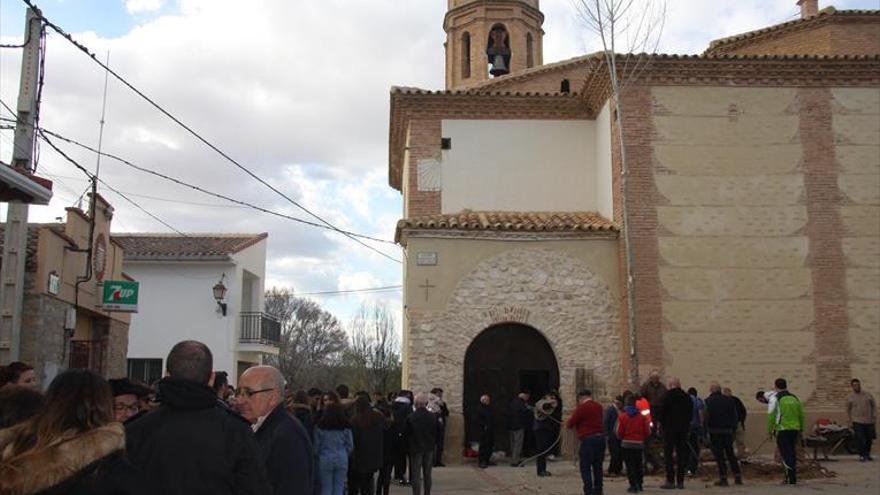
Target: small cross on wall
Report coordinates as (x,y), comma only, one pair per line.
(427,286)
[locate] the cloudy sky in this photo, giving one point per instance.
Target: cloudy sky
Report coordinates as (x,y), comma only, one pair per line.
(297,90)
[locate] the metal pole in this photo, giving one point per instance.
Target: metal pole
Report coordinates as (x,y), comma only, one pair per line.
(12,272)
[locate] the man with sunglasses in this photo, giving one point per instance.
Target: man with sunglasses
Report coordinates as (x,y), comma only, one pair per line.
(282,440)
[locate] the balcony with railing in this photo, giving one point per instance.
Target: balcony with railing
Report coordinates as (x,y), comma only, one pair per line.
(260,329)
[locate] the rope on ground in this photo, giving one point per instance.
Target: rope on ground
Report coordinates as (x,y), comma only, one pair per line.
(549,449)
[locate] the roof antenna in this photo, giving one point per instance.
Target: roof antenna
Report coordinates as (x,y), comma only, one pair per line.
(103,114)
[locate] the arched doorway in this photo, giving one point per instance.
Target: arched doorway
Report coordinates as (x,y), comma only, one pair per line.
(502,361)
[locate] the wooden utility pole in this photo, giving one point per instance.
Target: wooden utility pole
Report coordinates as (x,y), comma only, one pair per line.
(12,272)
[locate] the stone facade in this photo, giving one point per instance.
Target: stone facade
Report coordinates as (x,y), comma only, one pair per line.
(546,289)
(550,291)
(43,340)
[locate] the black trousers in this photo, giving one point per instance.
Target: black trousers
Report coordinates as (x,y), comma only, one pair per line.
(635,467)
(695,444)
(363,483)
(864,437)
(675,466)
(615,466)
(786,441)
(487,444)
(543,440)
(383,481)
(722,450)
(400,465)
(650,457)
(441,437)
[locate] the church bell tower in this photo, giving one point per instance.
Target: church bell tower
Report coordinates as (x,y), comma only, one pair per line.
(491,38)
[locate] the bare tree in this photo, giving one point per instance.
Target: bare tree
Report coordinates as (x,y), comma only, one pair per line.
(312,340)
(636,26)
(373,354)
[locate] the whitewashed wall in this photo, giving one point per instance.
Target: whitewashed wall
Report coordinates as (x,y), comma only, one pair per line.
(176,303)
(604,192)
(520,165)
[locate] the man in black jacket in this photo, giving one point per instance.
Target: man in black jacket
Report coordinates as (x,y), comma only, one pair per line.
(674,418)
(421,435)
(486,427)
(739,436)
(517,418)
(191,445)
(282,440)
(442,418)
(721,421)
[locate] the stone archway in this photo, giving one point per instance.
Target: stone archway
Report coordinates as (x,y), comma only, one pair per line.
(502,361)
(546,289)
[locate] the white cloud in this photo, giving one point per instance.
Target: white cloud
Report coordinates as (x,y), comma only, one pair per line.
(143,6)
(297,91)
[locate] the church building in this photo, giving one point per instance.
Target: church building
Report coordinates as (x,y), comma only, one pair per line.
(742,246)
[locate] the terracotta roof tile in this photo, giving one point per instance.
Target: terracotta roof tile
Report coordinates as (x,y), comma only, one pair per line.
(511,221)
(409,90)
(177,247)
(820,17)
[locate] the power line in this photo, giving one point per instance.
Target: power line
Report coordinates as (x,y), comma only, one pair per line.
(243,204)
(210,193)
(205,191)
(27,39)
(108,186)
(195,134)
(388,288)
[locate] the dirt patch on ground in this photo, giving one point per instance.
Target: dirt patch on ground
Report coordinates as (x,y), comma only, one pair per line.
(760,469)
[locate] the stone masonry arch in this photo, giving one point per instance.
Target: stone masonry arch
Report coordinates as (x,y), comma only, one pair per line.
(549,290)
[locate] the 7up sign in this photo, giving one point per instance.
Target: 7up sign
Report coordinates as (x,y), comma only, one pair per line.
(120,295)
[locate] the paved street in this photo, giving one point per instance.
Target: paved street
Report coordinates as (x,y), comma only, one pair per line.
(853,478)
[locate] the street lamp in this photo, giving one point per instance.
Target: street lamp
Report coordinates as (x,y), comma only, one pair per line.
(220,293)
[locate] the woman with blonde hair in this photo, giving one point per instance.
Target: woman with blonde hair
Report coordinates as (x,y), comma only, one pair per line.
(72,446)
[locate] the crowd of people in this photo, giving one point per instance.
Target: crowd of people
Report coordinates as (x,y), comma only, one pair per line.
(631,427)
(194,433)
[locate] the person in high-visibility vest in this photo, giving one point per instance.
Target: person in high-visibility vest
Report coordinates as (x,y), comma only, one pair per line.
(644,407)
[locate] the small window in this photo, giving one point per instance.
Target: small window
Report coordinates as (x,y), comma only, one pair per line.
(565,86)
(145,370)
(530,51)
(465,55)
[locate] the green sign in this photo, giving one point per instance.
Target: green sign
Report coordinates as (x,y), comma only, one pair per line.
(120,295)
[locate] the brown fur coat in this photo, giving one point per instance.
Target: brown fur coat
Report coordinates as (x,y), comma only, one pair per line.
(44,468)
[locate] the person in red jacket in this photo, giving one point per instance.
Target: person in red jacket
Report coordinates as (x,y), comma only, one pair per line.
(633,429)
(587,421)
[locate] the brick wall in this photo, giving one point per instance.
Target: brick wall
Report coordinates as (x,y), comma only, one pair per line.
(853,37)
(477,20)
(855,129)
(424,143)
(815,41)
(544,82)
(763,205)
(642,194)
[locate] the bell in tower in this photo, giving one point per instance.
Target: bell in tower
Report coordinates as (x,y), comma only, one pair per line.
(486,38)
(498,51)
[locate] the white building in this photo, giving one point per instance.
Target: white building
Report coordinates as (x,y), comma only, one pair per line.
(177,276)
